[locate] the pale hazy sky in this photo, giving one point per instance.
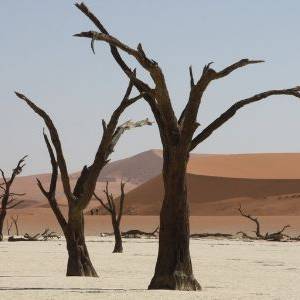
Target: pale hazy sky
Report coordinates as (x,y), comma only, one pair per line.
(39,56)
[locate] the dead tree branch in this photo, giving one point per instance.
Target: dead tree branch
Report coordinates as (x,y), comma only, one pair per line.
(79,198)
(46,235)
(116,216)
(276,236)
(253,219)
(9,226)
(136,233)
(7,197)
(229,113)
(15,222)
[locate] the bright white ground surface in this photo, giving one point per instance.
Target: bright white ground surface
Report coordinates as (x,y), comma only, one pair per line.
(226,270)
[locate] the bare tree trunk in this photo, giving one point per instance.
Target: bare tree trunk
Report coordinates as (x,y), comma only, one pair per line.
(118,238)
(15,222)
(173,267)
(2,218)
(79,263)
(17,228)
(115,217)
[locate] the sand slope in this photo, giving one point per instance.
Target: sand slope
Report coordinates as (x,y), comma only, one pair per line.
(211,196)
(266,183)
(134,171)
(257,166)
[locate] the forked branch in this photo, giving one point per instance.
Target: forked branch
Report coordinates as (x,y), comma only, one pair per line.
(253,219)
(111,135)
(8,198)
(162,111)
(111,206)
(189,114)
(229,113)
(276,236)
(50,194)
(56,142)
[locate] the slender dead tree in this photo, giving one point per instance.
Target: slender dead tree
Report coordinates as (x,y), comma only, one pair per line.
(275,236)
(7,198)
(174,268)
(79,263)
(115,216)
(8,226)
(253,219)
(14,221)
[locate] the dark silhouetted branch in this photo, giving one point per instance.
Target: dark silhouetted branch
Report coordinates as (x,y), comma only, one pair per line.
(253,219)
(229,113)
(276,236)
(56,142)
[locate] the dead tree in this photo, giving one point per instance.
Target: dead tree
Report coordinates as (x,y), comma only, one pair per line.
(79,263)
(15,222)
(253,219)
(136,233)
(116,217)
(276,236)
(8,226)
(8,200)
(44,236)
(208,235)
(173,267)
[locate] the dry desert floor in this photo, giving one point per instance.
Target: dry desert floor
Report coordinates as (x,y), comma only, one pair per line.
(226,269)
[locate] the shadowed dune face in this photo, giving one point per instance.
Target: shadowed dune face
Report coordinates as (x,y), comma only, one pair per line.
(266,184)
(136,169)
(210,196)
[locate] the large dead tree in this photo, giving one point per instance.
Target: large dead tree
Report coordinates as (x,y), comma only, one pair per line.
(8,199)
(116,216)
(79,263)
(174,268)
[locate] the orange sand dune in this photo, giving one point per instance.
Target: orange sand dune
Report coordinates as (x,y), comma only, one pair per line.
(266,184)
(34,198)
(133,170)
(136,169)
(35,220)
(212,196)
(142,167)
(261,165)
